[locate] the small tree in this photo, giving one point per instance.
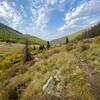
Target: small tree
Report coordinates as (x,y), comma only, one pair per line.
(67,40)
(41,47)
(48,44)
(34,48)
(27,55)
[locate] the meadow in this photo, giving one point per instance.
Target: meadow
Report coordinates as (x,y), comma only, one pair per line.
(66,72)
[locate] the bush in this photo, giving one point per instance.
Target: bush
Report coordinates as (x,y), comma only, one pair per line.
(5,64)
(70,47)
(50,53)
(41,47)
(16,86)
(85,47)
(48,44)
(87,41)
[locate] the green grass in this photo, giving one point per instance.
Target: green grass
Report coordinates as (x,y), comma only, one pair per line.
(71,37)
(26,81)
(93,54)
(8,34)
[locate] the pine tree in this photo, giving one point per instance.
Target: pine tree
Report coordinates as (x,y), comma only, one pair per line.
(67,40)
(34,48)
(41,47)
(48,45)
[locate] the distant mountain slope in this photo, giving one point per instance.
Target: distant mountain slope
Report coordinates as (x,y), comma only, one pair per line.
(59,40)
(83,34)
(8,34)
(71,37)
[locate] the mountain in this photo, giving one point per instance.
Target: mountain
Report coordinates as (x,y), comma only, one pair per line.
(82,34)
(71,37)
(8,34)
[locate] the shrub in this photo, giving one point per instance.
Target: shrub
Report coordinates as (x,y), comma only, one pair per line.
(16,86)
(70,47)
(5,64)
(67,40)
(34,48)
(41,47)
(50,53)
(1,58)
(87,41)
(84,47)
(48,44)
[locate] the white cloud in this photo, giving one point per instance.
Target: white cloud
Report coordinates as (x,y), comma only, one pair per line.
(34,17)
(62,29)
(23,12)
(82,16)
(9,14)
(39,17)
(52,2)
(88,8)
(42,17)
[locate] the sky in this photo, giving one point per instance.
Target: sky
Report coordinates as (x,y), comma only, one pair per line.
(49,19)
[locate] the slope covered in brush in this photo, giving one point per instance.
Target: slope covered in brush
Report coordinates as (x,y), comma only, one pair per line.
(82,34)
(66,72)
(8,34)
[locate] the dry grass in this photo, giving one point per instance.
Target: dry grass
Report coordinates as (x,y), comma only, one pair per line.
(71,46)
(26,81)
(84,46)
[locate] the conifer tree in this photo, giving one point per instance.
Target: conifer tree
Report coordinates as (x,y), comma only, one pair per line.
(67,40)
(48,45)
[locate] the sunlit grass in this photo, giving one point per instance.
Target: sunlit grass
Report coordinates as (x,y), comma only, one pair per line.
(26,81)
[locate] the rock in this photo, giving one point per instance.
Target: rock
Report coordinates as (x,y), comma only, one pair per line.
(59,89)
(47,83)
(36,59)
(54,79)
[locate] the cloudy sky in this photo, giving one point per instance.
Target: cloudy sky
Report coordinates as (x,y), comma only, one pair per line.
(49,19)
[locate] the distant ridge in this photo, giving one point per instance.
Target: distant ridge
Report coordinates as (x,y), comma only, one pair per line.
(8,28)
(82,34)
(71,37)
(8,34)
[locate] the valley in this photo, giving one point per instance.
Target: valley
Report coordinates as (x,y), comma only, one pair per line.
(65,72)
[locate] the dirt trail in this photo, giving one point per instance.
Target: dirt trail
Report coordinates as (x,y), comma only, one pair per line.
(93,78)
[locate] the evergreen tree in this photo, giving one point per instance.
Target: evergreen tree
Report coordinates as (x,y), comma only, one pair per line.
(41,47)
(34,48)
(48,44)
(67,40)
(91,32)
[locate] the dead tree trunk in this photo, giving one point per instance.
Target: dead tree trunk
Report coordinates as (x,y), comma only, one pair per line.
(27,54)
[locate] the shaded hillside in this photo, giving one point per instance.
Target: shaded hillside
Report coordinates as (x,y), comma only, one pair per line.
(8,34)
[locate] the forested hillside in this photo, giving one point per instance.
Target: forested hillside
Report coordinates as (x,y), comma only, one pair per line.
(8,34)
(83,34)
(92,32)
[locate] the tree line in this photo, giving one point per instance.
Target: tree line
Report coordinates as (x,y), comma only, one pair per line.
(92,32)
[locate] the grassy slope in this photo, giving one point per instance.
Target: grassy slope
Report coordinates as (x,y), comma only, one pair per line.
(10,35)
(71,37)
(27,81)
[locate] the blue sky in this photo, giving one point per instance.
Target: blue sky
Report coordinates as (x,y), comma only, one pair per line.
(49,19)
